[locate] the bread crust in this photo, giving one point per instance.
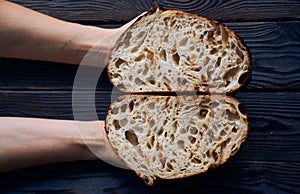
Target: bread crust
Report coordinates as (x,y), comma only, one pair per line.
(196,80)
(138,144)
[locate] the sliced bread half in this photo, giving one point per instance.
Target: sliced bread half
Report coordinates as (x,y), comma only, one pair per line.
(177,51)
(175,136)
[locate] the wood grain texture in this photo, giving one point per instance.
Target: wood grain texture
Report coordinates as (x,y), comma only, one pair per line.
(235,176)
(275,48)
(121,11)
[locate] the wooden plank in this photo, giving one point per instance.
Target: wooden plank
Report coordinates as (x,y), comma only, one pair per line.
(115,11)
(97,177)
(18,74)
(274,117)
(275,48)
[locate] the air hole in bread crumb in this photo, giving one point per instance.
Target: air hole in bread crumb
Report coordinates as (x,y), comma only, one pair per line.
(206,61)
(234,129)
(218,63)
(172,137)
(182,131)
(196,161)
(163,54)
(123,122)
(116,124)
(213,51)
(227,83)
(131,137)
(198,27)
(115,111)
(148,145)
(134,49)
(119,62)
(230,73)
(123,107)
(166,134)
(150,55)
(183,42)
(165,122)
(144,167)
(215,156)
(223,133)
(232,45)
(152,139)
(160,131)
(141,34)
(180,144)
(176,58)
(173,23)
(242,109)
(207,154)
(146,69)
(183,169)
(153,159)
(238,61)
(232,116)
(151,106)
(163,161)
(116,75)
(174,124)
(203,113)
(210,35)
(192,139)
(243,78)
(138,81)
(166,38)
(131,106)
(193,130)
(139,71)
(140,57)
(169,167)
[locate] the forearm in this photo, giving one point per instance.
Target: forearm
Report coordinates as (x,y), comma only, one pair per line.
(31,35)
(27,142)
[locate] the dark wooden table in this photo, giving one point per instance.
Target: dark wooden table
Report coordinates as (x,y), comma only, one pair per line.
(268,162)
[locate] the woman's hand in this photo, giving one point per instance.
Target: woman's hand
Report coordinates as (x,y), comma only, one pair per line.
(27,34)
(28,142)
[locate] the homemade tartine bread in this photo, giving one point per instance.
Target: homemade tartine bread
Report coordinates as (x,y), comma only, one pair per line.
(175,136)
(178,51)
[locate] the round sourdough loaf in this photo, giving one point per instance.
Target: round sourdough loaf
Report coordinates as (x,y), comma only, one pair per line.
(178,51)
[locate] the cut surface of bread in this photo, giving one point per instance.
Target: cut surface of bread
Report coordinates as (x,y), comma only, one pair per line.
(178,51)
(175,136)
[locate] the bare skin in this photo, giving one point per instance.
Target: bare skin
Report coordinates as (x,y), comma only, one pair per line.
(28,142)
(27,34)
(24,142)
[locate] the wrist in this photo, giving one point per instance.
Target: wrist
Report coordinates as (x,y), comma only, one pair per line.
(93,44)
(92,135)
